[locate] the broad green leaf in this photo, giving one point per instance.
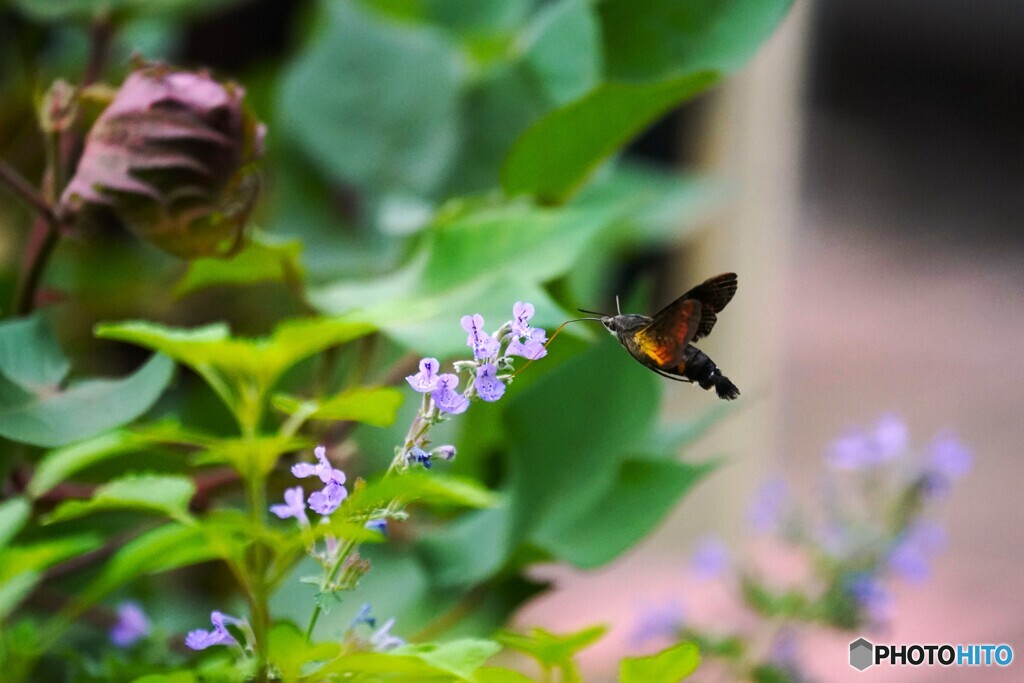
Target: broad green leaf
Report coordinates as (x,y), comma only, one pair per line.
(289,652)
(375,406)
(251,456)
(562,47)
(564,455)
(158,494)
(14,513)
(658,38)
(15,589)
(240,370)
(263,260)
(391,667)
(45,553)
(458,657)
(374,102)
(643,493)
(85,408)
(30,354)
(668,666)
(469,549)
(431,488)
(555,155)
(551,649)
(155,551)
(61,463)
(85,10)
(173,677)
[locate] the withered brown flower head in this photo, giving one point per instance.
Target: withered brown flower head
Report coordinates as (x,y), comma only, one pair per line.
(171,159)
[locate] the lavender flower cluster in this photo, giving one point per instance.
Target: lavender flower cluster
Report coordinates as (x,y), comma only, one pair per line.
(871,528)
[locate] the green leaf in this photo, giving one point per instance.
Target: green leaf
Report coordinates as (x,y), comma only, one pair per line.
(390,123)
(45,553)
(421,487)
(555,155)
(467,550)
(61,463)
(250,456)
(391,667)
(240,370)
(562,47)
(551,649)
(377,406)
(14,513)
(159,494)
(771,673)
(657,38)
(289,651)
(262,260)
(668,666)
(30,354)
(786,604)
(458,657)
(85,10)
(15,589)
(84,409)
(643,493)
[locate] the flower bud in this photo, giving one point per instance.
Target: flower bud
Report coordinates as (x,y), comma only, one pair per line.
(170,159)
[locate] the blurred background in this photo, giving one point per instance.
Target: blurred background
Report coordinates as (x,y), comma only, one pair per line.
(876,151)
(871,161)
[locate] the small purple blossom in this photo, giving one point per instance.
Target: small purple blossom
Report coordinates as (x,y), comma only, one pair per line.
(483,344)
(323,469)
(521,315)
(327,500)
(488,386)
(378,525)
(365,616)
(948,459)
(446,452)
(425,380)
(532,348)
(417,454)
(200,639)
(910,556)
(858,449)
(446,396)
(711,559)
(871,596)
(294,506)
(665,620)
(382,640)
(132,625)
(766,507)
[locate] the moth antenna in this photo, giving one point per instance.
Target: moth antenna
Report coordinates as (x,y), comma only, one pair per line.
(583,310)
(617,309)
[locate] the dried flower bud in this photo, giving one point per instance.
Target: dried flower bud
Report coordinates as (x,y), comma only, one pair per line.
(170,158)
(59,107)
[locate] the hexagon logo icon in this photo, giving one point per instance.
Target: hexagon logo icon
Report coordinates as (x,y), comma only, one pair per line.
(861,654)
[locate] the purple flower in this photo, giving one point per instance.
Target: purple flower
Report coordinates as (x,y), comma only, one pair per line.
(666,620)
(912,552)
(446,397)
(294,506)
(426,379)
(871,596)
(711,559)
(323,469)
(419,455)
(948,458)
(378,525)
(487,384)
(857,449)
(327,500)
(521,315)
(447,452)
(766,507)
(382,640)
(532,348)
(364,617)
(483,344)
(200,639)
(131,625)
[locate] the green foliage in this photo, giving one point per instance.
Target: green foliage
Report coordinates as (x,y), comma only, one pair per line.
(377,406)
(668,666)
(553,651)
(34,406)
(264,259)
(150,493)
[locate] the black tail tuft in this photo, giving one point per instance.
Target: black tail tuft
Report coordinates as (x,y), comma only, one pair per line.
(726,389)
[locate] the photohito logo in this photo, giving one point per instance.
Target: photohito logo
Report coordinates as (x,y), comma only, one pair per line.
(864,653)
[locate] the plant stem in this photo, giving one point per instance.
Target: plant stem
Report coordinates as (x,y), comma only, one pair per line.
(24,191)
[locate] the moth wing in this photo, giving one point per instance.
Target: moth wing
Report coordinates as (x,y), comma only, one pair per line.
(713,294)
(665,339)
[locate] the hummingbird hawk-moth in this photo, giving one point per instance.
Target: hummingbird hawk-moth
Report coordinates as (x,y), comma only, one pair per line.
(664,343)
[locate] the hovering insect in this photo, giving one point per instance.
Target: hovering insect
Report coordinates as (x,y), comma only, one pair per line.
(663,343)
